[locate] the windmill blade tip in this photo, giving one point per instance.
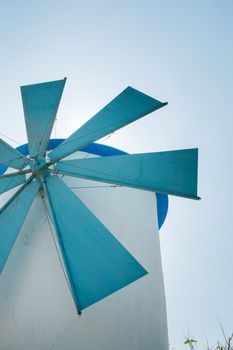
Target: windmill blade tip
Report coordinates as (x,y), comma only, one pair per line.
(43,82)
(132,88)
(129,88)
(79,311)
(196,198)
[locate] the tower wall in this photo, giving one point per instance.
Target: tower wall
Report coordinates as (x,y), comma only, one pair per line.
(36,308)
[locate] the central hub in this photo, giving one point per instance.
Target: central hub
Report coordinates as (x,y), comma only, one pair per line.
(38,165)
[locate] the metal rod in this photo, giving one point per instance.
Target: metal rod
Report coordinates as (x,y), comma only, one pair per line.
(21,172)
(138,187)
(17,193)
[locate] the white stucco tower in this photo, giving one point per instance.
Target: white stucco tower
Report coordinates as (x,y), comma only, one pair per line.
(37,310)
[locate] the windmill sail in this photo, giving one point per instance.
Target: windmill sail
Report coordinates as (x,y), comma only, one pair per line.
(173,172)
(12,218)
(127,107)
(9,182)
(98,264)
(11,157)
(40,103)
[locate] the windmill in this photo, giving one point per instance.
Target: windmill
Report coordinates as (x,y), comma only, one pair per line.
(95,263)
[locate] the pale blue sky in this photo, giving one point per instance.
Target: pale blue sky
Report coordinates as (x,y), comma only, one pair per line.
(176,51)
